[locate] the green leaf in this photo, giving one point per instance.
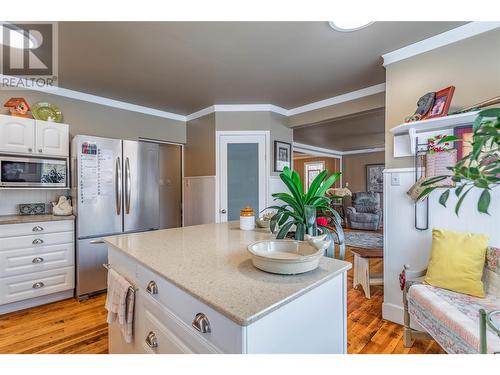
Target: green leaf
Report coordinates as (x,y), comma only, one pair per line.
(328,183)
(459,189)
(284,230)
(484,202)
(312,191)
(477,123)
(491,112)
(481,183)
(297,182)
(426,192)
(287,172)
(444,197)
(433,180)
(449,138)
(297,195)
(284,217)
(460,200)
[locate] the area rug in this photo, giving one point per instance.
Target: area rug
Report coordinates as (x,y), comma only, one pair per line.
(364,240)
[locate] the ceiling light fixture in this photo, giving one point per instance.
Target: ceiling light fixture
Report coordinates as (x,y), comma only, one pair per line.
(349,25)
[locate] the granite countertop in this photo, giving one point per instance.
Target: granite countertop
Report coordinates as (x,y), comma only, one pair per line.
(16,219)
(211,262)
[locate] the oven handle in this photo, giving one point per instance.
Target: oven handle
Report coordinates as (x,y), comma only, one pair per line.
(118,185)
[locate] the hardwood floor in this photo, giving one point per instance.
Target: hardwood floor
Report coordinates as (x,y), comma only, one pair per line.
(80,327)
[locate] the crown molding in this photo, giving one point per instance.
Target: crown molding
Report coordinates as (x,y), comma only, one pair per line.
(367,91)
(78,95)
(454,35)
(314,150)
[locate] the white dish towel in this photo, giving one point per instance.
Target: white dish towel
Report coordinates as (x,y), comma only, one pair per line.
(120,303)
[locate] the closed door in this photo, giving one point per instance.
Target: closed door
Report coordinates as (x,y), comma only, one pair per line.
(17,134)
(242,174)
(52,138)
(141,198)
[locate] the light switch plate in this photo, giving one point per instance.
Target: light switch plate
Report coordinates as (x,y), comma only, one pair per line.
(395,179)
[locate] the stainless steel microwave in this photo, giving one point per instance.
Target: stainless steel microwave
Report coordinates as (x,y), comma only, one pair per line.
(30,172)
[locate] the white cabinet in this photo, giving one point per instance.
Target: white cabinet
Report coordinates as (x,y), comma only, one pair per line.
(166,320)
(34,137)
(17,134)
(51,138)
(36,263)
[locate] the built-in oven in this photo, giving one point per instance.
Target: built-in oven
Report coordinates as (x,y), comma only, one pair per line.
(31,172)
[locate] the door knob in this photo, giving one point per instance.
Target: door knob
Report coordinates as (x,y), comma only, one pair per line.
(37,228)
(37,260)
(223,211)
(37,241)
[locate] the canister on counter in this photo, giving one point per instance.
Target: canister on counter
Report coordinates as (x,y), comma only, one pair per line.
(247,219)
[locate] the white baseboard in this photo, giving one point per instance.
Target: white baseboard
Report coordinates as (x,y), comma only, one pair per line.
(37,301)
(392,312)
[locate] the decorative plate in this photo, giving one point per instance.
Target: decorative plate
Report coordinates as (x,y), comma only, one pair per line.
(46,112)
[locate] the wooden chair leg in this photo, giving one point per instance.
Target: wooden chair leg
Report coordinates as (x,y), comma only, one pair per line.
(364,275)
(355,279)
(407,338)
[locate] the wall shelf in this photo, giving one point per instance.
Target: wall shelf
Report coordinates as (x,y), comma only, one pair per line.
(405,135)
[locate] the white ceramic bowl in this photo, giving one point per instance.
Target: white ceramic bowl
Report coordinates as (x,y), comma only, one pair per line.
(286,257)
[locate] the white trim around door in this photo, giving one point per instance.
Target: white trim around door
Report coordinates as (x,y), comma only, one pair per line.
(222,138)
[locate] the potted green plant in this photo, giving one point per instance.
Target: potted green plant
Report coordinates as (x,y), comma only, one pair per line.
(299,209)
(479,169)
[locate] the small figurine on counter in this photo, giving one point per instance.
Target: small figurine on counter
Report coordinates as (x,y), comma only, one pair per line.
(62,207)
(18,107)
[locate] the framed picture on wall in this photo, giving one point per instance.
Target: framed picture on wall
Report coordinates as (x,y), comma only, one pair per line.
(442,102)
(375,177)
(311,170)
(464,146)
(282,156)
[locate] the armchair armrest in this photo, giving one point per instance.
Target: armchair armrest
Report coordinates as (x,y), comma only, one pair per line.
(350,210)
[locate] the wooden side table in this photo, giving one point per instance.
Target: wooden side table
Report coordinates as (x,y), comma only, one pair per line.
(361,271)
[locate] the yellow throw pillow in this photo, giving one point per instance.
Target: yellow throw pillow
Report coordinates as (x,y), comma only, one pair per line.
(457,261)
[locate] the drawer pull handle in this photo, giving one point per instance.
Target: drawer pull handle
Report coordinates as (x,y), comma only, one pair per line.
(37,260)
(38,228)
(37,241)
(152,287)
(38,285)
(151,340)
(201,323)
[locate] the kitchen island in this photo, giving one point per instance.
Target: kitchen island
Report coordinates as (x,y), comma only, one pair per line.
(198,292)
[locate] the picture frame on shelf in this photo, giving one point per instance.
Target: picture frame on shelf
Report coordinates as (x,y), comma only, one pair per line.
(282,156)
(463,146)
(441,104)
(375,177)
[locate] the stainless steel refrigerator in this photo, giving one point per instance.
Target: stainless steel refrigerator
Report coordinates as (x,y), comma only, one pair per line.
(115,190)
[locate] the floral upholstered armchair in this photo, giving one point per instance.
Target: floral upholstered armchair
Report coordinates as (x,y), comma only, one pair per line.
(453,319)
(365,212)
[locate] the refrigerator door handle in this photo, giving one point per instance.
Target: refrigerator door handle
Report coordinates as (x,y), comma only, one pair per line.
(118,185)
(127,186)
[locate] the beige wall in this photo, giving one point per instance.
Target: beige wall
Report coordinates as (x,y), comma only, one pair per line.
(99,120)
(332,165)
(275,123)
(199,153)
(471,65)
(367,103)
(354,169)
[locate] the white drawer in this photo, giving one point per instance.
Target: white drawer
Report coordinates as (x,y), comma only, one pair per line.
(159,331)
(225,334)
(26,229)
(21,261)
(37,284)
(35,241)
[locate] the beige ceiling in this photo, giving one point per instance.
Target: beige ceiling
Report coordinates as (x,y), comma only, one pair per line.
(186,66)
(365,130)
